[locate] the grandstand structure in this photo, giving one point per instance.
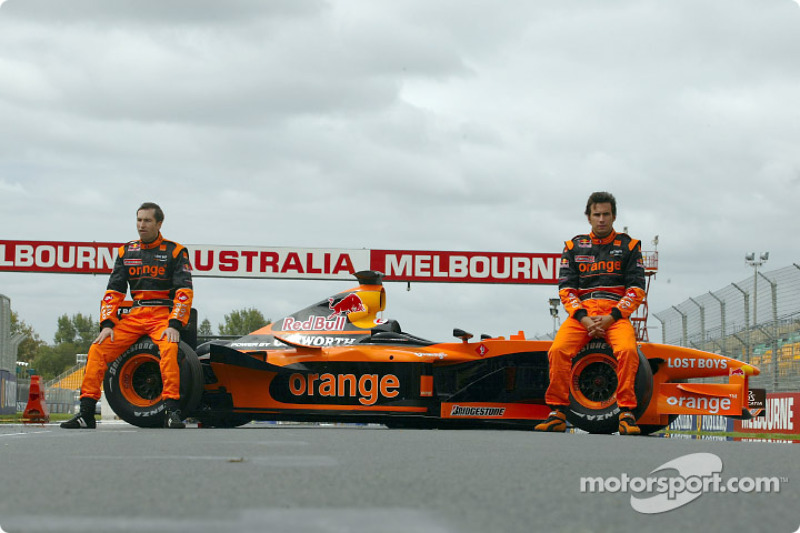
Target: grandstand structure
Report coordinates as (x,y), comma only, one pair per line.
(756,320)
(9,343)
(62,391)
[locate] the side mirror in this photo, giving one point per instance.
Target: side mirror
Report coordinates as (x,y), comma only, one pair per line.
(461,334)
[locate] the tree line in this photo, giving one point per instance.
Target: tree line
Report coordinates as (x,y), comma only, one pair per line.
(74,334)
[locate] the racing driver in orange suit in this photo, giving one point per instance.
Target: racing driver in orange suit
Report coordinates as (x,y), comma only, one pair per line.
(601,284)
(159,275)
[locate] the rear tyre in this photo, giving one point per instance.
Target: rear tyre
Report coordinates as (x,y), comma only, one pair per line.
(593,387)
(133,385)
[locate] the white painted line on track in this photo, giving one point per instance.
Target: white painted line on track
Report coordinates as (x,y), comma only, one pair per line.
(300,520)
(273,461)
(24,433)
(293,461)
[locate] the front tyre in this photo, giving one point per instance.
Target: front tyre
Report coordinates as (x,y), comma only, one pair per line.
(133,385)
(593,387)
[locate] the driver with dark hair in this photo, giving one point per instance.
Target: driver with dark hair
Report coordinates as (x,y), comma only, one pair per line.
(601,284)
(159,275)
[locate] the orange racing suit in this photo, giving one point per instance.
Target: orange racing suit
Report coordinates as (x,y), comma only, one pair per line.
(598,277)
(159,275)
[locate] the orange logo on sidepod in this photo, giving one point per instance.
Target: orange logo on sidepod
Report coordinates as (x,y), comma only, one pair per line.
(368,387)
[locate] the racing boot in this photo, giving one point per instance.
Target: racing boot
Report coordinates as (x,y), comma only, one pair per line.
(85,417)
(627,424)
(172,415)
(556,422)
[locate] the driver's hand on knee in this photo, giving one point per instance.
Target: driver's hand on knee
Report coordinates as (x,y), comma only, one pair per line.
(105,333)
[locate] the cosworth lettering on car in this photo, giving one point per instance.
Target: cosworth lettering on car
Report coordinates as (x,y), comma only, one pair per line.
(319,340)
(368,387)
(696,363)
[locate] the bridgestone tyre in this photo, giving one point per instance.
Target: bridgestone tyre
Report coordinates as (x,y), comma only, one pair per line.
(593,386)
(133,385)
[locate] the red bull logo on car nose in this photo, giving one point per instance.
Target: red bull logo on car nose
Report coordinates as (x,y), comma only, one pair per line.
(349,304)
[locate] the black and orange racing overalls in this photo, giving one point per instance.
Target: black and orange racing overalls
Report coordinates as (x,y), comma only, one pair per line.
(159,275)
(598,277)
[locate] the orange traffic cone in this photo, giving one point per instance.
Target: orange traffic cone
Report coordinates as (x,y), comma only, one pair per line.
(36,411)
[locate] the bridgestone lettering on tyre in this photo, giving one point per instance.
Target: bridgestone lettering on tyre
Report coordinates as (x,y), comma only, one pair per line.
(593,386)
(133,385)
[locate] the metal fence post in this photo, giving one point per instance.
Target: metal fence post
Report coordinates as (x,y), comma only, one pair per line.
(702,320)
(723,335)
(663,329)
(746,295)
(684,324)
(775,332)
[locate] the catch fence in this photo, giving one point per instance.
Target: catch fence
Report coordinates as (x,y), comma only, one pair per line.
(756,320)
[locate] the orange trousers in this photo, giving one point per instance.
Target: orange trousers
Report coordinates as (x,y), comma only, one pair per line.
(140,321)
(571,337)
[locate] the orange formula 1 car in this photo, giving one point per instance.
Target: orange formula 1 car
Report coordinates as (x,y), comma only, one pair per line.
(336,361)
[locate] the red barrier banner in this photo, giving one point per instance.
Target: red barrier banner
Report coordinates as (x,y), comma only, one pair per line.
(296,263)
(57,257)
(782,416)
(285,263)
(467,267)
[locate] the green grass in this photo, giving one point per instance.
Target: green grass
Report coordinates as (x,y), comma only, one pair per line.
(17,418)
(736,435)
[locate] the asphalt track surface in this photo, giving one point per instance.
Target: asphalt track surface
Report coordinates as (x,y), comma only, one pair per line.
(303,478)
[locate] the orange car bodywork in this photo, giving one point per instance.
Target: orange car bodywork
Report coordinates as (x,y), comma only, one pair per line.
(337,361)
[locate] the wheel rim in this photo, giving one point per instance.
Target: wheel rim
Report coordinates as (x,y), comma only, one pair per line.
(140,381)
(594,381)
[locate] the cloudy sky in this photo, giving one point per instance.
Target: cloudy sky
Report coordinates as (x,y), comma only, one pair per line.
(415,124)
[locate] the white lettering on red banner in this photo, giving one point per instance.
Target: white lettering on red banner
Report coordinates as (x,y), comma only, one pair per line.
(79,258)
(780,415)
(467,267)
(295,263)
(217,261)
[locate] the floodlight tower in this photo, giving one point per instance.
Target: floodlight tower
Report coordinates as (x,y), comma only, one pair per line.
(750,259)
(639,318)
(554,303)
